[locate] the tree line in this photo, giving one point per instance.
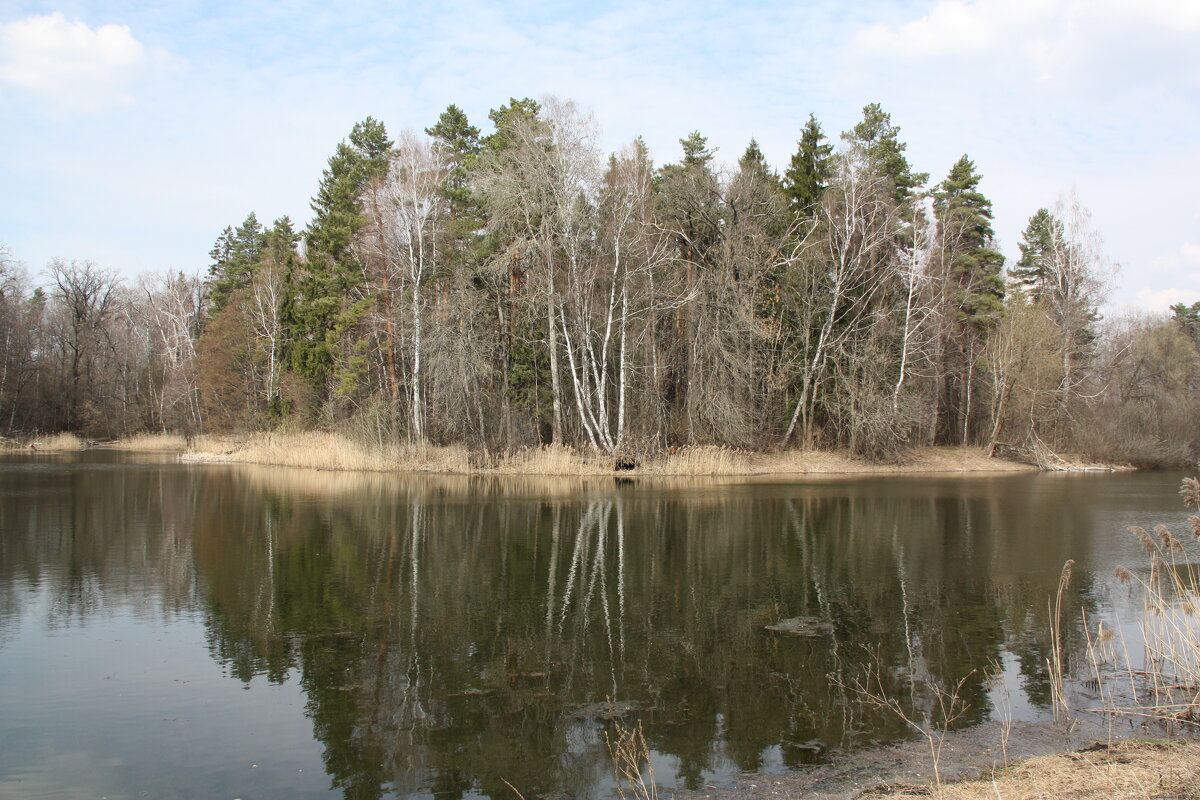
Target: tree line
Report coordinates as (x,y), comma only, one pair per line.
(523,287)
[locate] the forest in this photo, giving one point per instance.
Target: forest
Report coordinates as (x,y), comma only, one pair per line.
(521,288)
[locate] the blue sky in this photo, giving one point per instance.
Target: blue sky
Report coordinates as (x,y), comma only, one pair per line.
(134,132)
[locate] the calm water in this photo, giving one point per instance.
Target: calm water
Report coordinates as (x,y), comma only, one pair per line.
(169,630)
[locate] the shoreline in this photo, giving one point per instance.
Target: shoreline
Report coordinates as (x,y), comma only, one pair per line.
(324,451)
(1041,760)
(328,451)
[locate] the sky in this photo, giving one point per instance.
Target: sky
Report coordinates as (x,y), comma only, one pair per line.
(132,133)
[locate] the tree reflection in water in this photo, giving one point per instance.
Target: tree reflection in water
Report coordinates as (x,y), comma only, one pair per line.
(455,634)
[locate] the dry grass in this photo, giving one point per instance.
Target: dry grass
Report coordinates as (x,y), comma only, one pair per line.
(1123,770)
(630,756)
(152,442)
(548,460)
(933,723)
(702,461)
(332,451)
(318,450)
(1157,676)
(54,443)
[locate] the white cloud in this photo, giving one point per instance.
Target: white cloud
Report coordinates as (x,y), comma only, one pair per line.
(1064,41)
(1183,262)
(1158,300)
(1176,279)
(76,66)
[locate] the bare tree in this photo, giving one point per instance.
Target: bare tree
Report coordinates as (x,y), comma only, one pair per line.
(175,311)
(1076,282)
(838,276)
(85,300)
(407,207)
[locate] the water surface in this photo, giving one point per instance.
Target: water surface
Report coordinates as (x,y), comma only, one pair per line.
(172,630)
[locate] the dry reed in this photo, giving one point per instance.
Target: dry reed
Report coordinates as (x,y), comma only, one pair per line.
(1055,664)
(152,442)
(339,451)
(52,443)
(628,751)
(318,450)
(1158,678)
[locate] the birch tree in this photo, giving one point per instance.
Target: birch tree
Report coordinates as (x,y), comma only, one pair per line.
(837,277)
(175,304)
(407,206)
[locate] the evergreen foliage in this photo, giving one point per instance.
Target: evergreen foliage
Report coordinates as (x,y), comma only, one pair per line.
(976,267)
(880,141)
(810,170)
(1041,243)
(1188,319)
(515,288)
(320,305)
(234,257)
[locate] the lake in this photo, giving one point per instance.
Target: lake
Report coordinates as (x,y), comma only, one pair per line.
(201,631)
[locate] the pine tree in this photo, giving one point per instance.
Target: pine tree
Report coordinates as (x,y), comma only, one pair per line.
(880,141)
(1188,318)
(690,195)
(505,118)
(810,169)
(695,150)
(457,141)
(336,209)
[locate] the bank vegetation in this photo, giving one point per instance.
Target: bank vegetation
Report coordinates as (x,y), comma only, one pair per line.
(486,295)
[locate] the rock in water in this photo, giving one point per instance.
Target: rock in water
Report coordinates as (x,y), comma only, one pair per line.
(802,626)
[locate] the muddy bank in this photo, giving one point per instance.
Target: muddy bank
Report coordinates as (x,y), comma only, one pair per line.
(906,769)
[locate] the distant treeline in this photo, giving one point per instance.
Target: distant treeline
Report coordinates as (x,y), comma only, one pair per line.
(521,288)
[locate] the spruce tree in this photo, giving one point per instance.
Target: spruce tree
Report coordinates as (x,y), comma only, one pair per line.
(318,310)
(1041,243)
(811,167)
(234,257)
(756,192)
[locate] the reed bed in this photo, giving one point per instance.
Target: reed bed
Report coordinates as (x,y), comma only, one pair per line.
(547,460)
(1156,677)
(320,450)
(152,442)
(52,443)
(702,461)
(317,450)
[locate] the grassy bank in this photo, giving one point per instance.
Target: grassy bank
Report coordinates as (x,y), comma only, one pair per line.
(330,451)
(1127,769)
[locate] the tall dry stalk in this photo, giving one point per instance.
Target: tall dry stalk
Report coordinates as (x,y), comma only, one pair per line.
(1056,662)
(628,750)
(1165,685)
